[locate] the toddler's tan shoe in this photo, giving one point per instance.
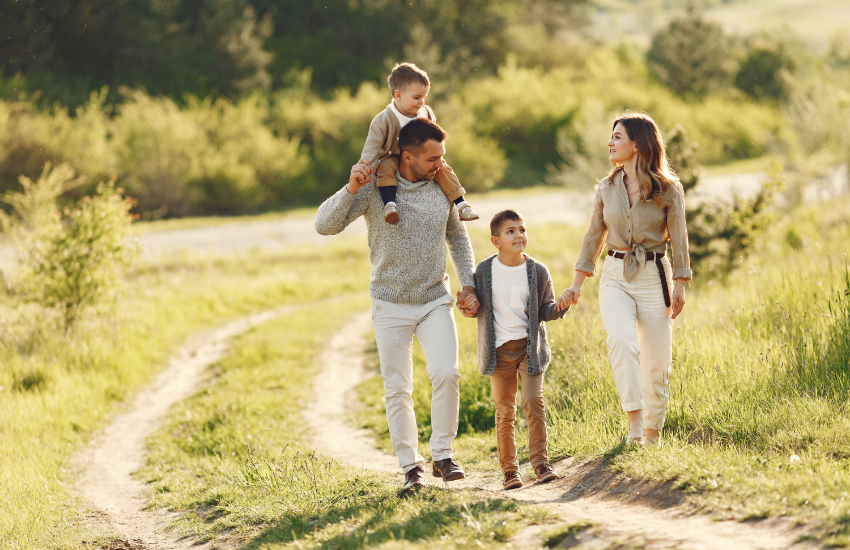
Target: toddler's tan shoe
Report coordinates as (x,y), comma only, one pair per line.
(467,214)
(391,213)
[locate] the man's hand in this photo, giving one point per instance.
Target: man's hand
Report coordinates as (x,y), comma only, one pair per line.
(361,174)
(467,302)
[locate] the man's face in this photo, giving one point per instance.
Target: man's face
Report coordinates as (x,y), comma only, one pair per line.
(427,160)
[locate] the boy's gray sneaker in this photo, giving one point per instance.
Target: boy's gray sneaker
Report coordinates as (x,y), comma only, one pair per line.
(391,213)
(413,479)
(466,213)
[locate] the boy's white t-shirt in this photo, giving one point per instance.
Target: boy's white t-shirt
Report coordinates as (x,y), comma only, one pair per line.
(404,120)
(510,302)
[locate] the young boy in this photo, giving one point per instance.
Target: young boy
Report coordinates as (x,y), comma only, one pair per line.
(516,297)
(409,86)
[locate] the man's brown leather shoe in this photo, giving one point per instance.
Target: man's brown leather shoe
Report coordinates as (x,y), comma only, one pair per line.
(448,470)
(413,479)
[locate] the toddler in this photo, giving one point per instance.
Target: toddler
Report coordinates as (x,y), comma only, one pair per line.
(409,85)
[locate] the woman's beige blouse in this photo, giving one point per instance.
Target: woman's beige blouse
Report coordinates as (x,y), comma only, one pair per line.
(641,228)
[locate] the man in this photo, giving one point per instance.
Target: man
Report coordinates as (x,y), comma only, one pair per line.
(410,291)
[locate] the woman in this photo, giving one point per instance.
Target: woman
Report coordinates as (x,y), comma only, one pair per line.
(638,208)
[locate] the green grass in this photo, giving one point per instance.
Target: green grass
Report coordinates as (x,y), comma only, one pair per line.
(173,224)
(554,537)
(760,374)
(56,391)
(233,457)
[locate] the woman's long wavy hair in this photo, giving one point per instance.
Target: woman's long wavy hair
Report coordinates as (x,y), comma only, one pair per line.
(654,173)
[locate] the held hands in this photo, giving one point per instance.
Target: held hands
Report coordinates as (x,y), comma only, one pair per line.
(569,297)
(467,302)
(361,174)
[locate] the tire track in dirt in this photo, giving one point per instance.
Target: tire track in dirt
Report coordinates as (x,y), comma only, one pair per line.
(105,481)
(638,514)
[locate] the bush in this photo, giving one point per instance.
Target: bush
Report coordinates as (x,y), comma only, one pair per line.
(332,130)
(521,109)
(75,261)
(209,157)
(765,73)
(582,149)
(720,233)
(30,137)
(691,56)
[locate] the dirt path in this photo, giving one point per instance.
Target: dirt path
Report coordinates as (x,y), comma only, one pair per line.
(634,513)
(105,480)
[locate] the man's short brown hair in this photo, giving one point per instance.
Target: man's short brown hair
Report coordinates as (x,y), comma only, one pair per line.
(405,74)
(502,217)
(416,132)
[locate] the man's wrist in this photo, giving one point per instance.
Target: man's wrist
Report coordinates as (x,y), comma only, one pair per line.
(348,188)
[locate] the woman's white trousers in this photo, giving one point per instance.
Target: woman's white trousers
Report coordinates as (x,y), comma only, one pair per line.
(640,340)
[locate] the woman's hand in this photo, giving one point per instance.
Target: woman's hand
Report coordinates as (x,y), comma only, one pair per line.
(565,300)
(678,298)
(569,297)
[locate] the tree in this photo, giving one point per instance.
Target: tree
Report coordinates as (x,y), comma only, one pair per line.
(691,56)
(765,73)
(67,48)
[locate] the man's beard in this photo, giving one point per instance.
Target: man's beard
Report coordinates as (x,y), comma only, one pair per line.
(421,174)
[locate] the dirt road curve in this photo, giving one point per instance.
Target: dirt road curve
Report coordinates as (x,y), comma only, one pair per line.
(105,480)
(626,511)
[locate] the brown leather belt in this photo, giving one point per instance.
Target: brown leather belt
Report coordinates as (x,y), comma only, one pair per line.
(652,257)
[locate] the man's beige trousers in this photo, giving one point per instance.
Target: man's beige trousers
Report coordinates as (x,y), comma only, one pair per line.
(434,325)
(640,340)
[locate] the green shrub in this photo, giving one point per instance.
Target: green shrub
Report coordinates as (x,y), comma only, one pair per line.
(522,110)
(76,261)
(213,157)
(765,73)
(582,149)
(691,55)
(333,130)
(30,137)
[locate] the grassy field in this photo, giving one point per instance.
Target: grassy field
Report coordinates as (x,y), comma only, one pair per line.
(234,457)
(56,391)
(758,423)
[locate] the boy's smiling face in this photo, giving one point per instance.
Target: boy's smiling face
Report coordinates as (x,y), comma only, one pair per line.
(412,98)
(512,238)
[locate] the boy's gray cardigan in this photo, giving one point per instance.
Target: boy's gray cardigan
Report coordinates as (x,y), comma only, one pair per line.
(541,296)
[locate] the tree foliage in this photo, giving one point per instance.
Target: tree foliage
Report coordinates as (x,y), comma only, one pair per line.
(65,49)
(766,73)
(691,55)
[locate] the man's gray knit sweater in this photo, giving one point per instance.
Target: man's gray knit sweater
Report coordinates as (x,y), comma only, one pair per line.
(408,258)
